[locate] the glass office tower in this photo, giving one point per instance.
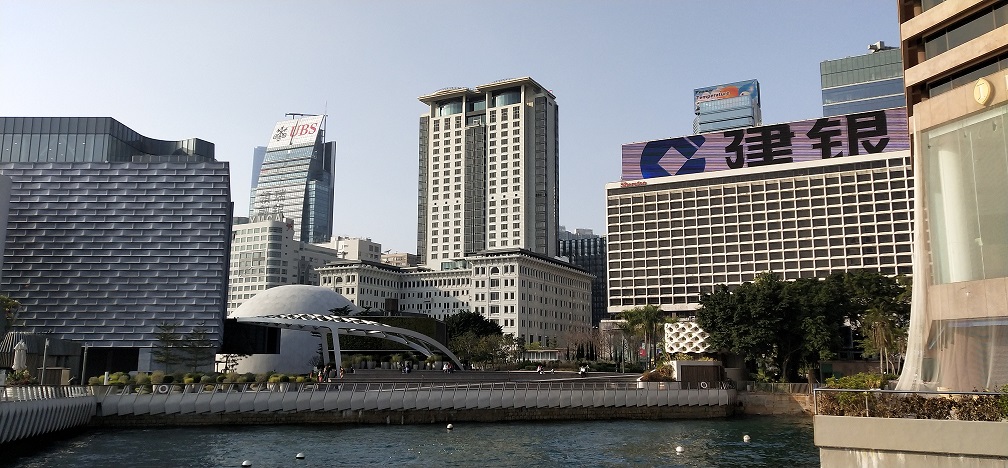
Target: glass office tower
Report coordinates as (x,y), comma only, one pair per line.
(295,179)
(96,139)
(863,83)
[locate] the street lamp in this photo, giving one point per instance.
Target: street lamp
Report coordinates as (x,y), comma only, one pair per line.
(84,365)
(45,352)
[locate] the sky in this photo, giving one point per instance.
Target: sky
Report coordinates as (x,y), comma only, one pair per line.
(227,71)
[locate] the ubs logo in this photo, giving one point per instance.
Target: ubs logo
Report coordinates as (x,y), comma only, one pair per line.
(280,134)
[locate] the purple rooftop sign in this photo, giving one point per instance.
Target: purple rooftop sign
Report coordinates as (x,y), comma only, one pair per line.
(829,137)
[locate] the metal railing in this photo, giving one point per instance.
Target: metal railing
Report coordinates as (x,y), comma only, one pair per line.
(337,396)
(776,387)
(42,392)
(878,403)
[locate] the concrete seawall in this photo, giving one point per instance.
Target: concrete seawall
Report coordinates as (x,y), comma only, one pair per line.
(414,416)
(759,403)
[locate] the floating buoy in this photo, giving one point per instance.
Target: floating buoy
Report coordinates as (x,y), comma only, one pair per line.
(299,456)
(450,427)
(246,463)
(746,438)
(679,449)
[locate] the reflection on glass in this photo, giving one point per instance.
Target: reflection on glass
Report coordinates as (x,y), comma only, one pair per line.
(967,170)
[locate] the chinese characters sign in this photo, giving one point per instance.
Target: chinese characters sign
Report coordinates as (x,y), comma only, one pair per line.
(825,138)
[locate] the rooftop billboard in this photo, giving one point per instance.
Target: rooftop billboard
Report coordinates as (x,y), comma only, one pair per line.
(726,91)
(295,133)
(807,140)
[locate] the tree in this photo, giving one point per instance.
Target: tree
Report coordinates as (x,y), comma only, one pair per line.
(778,326)
(467,321)
(648,323)
(10,308)
(167,350)
(882,336)
(784,327)
(196,349)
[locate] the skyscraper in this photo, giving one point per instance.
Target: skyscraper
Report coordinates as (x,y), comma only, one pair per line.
(588,251)
(864,82)
(296,180)
(488,171)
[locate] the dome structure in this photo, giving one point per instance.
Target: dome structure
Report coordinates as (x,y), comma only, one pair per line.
(292,299)
(298,348)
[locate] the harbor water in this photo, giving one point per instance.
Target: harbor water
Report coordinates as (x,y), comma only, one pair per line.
(773,442)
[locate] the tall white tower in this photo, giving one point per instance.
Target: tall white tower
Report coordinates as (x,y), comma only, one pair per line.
(488,171)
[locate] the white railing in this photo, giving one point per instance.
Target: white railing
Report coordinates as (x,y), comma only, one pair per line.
(42,392)
(28,411)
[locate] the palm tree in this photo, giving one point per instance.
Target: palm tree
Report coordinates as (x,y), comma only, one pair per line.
(647,322)
(881,335)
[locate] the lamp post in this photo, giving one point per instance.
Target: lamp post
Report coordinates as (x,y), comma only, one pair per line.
(83,370)
(45,352)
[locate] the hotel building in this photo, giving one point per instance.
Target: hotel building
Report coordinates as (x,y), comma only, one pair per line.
(801,199)
(488,171)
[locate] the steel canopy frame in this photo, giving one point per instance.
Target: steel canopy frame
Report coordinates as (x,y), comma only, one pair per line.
(342,325)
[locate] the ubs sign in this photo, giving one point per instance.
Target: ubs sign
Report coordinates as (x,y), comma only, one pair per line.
(295,133)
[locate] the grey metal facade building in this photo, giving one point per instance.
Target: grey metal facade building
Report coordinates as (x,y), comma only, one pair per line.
(101,253)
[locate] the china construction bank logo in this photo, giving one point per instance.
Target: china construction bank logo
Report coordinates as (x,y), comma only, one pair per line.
(681,160)
(280,134)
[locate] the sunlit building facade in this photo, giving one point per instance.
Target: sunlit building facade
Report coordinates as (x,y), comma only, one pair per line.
(488,175)
(801,199)
(955,55)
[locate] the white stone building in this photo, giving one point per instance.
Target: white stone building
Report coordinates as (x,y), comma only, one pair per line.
(533,297)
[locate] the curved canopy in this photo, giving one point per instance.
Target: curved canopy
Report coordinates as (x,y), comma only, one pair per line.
(344,325)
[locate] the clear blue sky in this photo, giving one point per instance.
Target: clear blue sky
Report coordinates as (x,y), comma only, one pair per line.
(226,71)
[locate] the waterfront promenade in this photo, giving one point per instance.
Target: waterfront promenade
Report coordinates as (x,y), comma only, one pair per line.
(419,397)
(382,397)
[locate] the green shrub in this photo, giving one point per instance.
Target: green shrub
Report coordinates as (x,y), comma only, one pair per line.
(862,381)
(142,378)
(168,378)
(157,377)
(96,380)
(220,378)
(260,378)
(661,374)
(206,379)
(1003,401)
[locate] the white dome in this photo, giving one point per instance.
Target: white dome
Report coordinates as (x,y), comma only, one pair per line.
(297,348)
(292,299)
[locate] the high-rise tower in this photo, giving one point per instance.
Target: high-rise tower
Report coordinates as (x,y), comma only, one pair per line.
(488,171)
(296,178)
(863,83)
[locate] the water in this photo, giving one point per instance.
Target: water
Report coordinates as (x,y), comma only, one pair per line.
(776,441)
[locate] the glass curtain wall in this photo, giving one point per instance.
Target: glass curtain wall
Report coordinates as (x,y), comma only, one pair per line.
(958,336)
